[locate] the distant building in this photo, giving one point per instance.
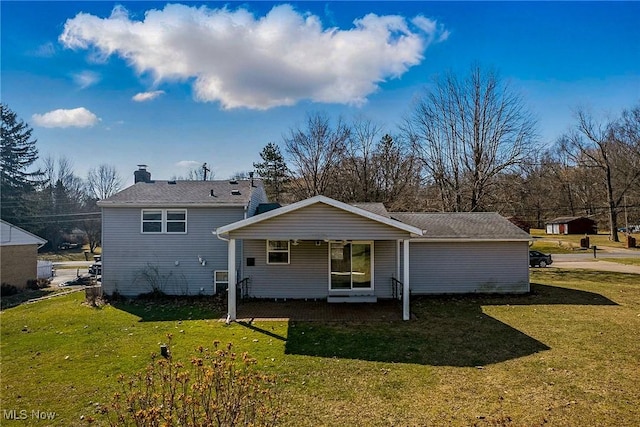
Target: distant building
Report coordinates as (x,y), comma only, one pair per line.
(572,225)
(18,255)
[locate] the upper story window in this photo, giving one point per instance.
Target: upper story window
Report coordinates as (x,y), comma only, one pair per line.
(177,221)
(170,221)
(278,251)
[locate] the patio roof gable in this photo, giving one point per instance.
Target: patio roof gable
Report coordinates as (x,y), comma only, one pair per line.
(317,200)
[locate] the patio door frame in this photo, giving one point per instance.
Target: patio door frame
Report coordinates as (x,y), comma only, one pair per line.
(371,266)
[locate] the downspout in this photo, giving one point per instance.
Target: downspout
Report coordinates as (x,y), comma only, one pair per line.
(215,232)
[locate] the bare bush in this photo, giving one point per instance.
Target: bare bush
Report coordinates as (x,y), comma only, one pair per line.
(217,388)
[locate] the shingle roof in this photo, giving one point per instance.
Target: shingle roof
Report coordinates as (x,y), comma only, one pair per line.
(183,193)
(10,235)
(376,208)
(463,225)
(566,219)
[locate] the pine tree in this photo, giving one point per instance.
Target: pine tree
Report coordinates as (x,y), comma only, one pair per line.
(18,151)
(273,170)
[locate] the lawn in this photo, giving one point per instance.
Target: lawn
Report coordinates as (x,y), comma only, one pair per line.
(568,243)
(69,254)
(567,354)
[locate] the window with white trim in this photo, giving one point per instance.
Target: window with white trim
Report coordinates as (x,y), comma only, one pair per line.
(152,221)
(278,251)
(164,221)
(177,221)
(220,280)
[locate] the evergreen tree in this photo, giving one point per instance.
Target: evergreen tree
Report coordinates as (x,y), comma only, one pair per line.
(18,151)
(273,170)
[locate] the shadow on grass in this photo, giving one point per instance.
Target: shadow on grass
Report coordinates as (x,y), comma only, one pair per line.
(463,336)
(447,331)
(540,295)
(171,309)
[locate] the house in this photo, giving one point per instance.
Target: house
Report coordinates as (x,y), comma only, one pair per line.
(572,225)
(159,233)
(325,249)
(156,235)
(18,255)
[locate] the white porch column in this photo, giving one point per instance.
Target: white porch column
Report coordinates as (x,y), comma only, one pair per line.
(405,282)
(231,274)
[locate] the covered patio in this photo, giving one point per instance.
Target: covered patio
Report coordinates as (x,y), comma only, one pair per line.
(318,311)
(319,249)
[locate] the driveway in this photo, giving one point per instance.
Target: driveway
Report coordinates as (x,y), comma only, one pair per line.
(587,261)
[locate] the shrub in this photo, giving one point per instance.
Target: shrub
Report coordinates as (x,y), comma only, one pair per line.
(35,284)
(7,290)
(217,388)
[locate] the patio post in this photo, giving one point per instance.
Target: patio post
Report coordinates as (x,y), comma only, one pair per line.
(405,282)
(231,275)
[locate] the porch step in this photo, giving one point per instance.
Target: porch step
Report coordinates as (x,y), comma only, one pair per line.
(353,298)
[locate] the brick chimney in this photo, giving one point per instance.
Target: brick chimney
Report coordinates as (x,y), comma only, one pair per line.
(141,175)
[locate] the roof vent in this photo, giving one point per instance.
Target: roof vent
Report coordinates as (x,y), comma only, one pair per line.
(171,182)
(212,194)
(233,182)
(235,192)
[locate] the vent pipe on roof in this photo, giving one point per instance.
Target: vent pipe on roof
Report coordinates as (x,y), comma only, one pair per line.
(141,175)
(251,177)
(212,194)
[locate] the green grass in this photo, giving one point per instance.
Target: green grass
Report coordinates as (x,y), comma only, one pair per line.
(564,355)
(566,243)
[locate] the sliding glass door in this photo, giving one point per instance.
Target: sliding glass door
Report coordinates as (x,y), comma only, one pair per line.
(351,266)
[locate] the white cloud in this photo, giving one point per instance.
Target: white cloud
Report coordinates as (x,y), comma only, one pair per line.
(77,117)
(86,78)
(147,96)
(241,60)
(188,164)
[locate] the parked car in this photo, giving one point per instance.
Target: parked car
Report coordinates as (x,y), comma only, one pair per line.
(67,245)
(538,259)
(96,268)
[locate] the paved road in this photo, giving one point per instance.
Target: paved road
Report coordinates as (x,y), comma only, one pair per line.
(65,274)
(586,260)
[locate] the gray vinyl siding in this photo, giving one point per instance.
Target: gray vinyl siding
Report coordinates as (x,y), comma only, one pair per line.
(307,274)
(384,267)
(319,222)
(468,267)
(126,252)
(258,196)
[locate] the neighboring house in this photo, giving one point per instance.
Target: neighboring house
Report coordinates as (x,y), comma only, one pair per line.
(571,225)
(324,249)
(157,235)
(318,248)
(18,255)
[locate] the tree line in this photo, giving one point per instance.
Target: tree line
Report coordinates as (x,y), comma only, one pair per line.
(47,198)
(468,144)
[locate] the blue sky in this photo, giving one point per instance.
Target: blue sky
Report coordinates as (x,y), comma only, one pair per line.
(176,86)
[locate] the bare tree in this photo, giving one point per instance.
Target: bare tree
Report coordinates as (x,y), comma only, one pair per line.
(357,165)
(613,149)
(315,153)
(467,132)
(397,175)
(103,181)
